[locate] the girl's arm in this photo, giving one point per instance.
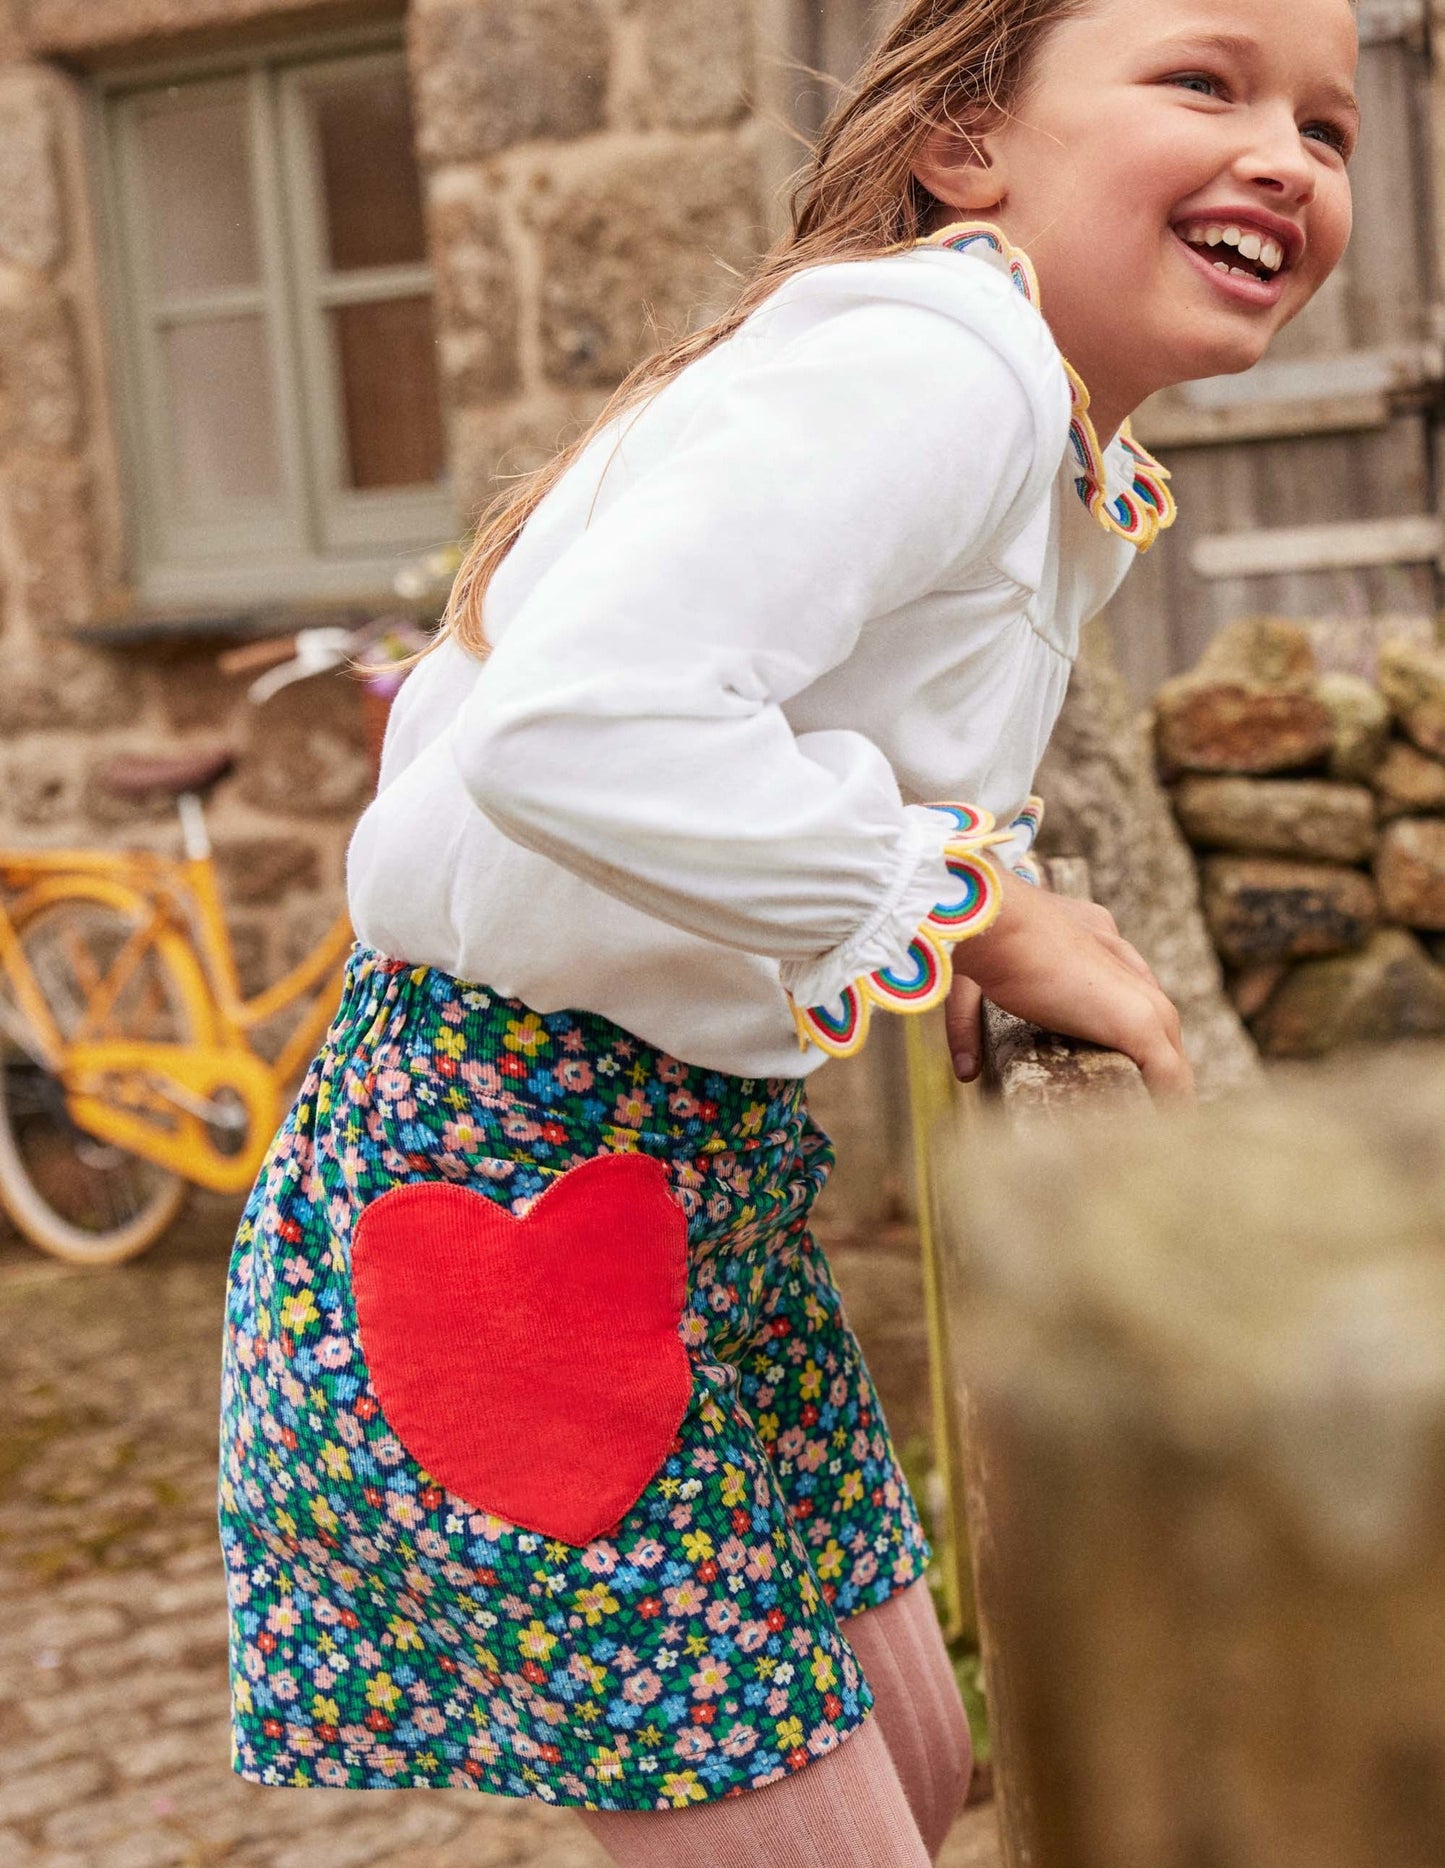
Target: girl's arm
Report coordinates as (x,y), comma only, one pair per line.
(630,722)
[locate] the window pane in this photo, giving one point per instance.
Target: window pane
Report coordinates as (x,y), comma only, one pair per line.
(371,191)
(223,418)
(387,357)
(196,172)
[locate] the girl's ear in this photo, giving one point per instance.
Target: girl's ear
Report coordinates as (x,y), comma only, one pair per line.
(962,171)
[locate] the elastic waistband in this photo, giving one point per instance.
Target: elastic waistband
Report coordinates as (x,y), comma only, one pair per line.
(382,997)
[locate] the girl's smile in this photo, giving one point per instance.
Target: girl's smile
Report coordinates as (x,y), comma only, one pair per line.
(1178,175)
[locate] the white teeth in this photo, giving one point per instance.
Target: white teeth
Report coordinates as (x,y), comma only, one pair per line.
(1263,248)
(1222,266)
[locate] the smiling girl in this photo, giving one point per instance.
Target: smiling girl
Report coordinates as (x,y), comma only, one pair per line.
(550,1464)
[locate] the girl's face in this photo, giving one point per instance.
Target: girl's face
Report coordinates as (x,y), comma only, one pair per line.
(1177,171)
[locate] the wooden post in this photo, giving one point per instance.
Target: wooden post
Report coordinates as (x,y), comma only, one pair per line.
(1204,1366)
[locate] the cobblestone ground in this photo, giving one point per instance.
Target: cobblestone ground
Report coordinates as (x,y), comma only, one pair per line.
(113,1741)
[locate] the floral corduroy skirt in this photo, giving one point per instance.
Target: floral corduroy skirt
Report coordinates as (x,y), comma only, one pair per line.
(549,1463)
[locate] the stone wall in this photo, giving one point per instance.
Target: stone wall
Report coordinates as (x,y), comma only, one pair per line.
(1316,803)
(592,171)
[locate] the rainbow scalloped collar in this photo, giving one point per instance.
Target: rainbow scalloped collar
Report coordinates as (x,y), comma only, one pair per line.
(1137,514)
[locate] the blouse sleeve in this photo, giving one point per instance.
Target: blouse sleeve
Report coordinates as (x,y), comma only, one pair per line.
(629,724)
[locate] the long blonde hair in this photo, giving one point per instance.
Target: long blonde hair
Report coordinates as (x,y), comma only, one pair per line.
(943,62)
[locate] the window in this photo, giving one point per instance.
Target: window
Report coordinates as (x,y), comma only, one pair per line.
(279,361)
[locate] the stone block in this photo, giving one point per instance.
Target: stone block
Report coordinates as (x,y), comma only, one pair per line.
(1390,991)
(1413,679)
(41,375)
(56,1788)
(490,73)
(1361,715)
(476,292)
(304,754)
(1262,909)
(259,870)
(1266,651)
(39,786)
(1410,870)
(1409,781)
(1307,817)
(491,446)
(698,63)
(636,246)
(1207,725)
(68,687)
(32,207)
(53,538)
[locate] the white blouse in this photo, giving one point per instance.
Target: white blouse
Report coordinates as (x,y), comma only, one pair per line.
(832,572)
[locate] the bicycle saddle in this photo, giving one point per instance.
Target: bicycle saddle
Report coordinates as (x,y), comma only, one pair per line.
(134,775)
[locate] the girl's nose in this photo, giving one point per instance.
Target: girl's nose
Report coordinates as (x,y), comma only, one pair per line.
(1276,158)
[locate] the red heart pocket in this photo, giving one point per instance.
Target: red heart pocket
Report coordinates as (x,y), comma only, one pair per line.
(532,1366)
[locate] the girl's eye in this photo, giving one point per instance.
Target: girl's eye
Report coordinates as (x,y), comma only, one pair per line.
(1199,82)
(1328,133)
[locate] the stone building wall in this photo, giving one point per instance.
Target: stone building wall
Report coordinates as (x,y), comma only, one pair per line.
(592,168)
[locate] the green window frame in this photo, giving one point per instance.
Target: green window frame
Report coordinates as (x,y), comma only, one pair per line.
(272,329)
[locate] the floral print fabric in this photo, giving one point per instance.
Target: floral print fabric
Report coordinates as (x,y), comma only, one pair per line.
(384,1633)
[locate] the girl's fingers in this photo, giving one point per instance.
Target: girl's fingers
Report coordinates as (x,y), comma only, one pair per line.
(963,1017)
(1131,957)
(1151,1034)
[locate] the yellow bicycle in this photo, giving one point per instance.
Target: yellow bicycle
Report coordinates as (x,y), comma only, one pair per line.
(129,1066)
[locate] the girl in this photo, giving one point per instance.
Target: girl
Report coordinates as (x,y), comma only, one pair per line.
(550,1464)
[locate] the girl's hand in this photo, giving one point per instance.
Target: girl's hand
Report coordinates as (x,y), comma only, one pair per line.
(1063,965)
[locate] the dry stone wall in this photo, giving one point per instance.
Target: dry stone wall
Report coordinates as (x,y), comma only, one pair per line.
(1316,806)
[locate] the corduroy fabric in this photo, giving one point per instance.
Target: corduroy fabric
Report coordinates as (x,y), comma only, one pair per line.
(848,1811)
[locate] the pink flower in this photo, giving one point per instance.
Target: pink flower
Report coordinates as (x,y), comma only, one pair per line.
(684,1598)
(761,1563)
(640,1689)
(575,1073)
(333,1352)
(631,1110)
(733,1554)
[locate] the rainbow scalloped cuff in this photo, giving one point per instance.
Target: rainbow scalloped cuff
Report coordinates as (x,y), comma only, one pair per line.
(922,980)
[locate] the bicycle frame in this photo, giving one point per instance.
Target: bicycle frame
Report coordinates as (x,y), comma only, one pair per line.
(158,1100)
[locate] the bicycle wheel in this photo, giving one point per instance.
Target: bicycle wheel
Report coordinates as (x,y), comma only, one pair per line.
(81,1199)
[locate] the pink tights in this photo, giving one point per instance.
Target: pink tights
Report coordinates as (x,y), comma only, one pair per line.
(885,1799)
